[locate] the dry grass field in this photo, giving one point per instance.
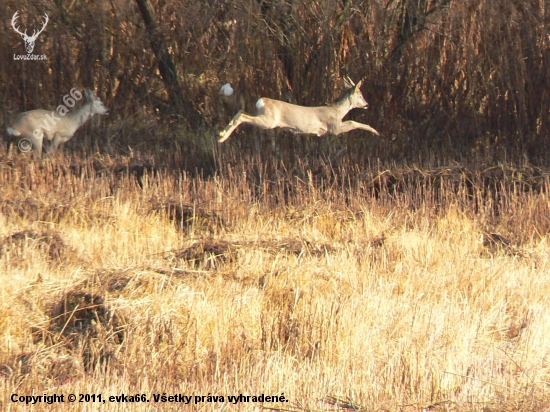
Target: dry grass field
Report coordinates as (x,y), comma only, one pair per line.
(382,288)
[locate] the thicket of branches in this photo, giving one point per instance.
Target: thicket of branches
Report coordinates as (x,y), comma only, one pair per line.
(444,78)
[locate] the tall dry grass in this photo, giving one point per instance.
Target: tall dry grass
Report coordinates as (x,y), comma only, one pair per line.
(342,287)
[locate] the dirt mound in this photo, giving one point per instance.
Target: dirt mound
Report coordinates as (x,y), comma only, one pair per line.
(210,253)
(207,253)
(82,322)
(186,216)
(34,209)
(49,242)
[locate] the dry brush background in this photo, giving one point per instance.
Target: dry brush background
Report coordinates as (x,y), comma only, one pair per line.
(401,273)
(451,78)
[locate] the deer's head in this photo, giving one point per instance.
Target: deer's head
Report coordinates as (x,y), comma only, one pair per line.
(353,93)
(97,105)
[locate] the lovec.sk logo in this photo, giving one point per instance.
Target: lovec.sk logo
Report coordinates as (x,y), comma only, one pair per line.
(29,40)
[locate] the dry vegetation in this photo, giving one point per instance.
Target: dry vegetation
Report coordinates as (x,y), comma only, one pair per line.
(450,77)
(343,288)
(402,273)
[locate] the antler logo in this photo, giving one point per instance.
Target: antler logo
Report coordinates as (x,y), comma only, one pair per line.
(29,40)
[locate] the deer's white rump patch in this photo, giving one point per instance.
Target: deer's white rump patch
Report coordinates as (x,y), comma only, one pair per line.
(13,132)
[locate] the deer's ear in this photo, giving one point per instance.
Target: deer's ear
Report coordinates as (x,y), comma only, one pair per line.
(88,94)
(358,85)
(348,83)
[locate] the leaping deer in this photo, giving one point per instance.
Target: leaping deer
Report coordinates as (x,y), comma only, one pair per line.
(29,40)
(301,119)
(58,127)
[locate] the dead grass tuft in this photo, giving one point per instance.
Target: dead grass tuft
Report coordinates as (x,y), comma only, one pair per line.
(48,242)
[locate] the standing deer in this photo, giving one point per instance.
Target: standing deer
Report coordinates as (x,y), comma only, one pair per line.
(301,119)
(37,124)
(29,40)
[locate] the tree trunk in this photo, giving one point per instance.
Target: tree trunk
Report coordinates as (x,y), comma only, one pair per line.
(167,68)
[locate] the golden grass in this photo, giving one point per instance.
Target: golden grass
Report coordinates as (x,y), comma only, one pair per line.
(360,294)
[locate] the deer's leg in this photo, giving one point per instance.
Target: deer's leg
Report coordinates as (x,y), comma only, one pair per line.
(36,139)
(243,117)
(233,124)
(38,148)
(56,141)
(351,125)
